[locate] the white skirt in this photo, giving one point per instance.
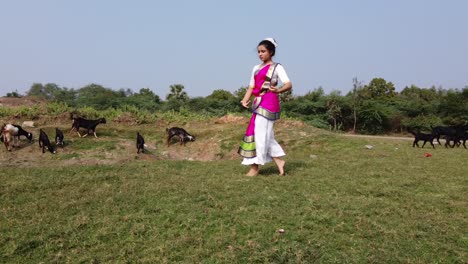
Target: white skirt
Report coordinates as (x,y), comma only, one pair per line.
(265,143)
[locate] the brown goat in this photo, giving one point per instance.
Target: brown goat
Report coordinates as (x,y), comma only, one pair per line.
(7,138)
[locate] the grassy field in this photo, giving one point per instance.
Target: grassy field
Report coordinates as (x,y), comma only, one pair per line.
(339,203)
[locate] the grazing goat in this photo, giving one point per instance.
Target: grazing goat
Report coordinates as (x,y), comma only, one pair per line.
(13,138)
(6,138)
(89,125)
(140,143)
(44,142)
(181,133)
(422,137)
(22,132)
(58,137)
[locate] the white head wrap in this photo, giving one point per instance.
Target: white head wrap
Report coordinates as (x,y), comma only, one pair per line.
(272,40)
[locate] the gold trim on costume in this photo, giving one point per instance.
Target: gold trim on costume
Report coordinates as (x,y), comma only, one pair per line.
(267,114)
(267,83)
(246,153)
(249,139)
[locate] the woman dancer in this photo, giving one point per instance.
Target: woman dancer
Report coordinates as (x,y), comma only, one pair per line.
(259,145)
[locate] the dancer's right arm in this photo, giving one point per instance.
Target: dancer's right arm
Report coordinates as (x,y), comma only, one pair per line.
(246,101)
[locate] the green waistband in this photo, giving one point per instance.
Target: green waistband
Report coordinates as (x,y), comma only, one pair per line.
(249,146)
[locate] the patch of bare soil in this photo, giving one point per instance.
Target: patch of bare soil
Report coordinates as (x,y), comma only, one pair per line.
(22,101)
(232,119)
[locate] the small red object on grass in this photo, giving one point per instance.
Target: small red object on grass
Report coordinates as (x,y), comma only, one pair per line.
(427,155)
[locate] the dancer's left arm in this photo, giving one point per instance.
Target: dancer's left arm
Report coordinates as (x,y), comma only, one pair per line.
(287,85)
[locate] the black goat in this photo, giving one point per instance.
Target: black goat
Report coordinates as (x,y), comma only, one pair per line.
(461,139)
(181,133)
(22,132)
(464,138)
(58,137)
(140,143)
(44,142)
(89,125)
(451,138)
(418,136)
(451,133)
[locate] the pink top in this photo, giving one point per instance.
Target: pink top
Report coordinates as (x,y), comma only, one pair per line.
(270,100)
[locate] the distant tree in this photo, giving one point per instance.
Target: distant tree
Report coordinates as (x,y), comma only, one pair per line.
(13,94)
(221,95)
(145,98)
(99,97)
(414,101)
(311,108)
(177,93)
(37,89)
(378,88)
(219,102)
(413,92)
(240,93)
(125,92)
(375,116)
(146,92)
(51,92)
(334,105)
(65,95)
(357,98)
(315,94)
(454,107)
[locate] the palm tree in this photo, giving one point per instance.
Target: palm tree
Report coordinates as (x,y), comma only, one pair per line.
(177,93)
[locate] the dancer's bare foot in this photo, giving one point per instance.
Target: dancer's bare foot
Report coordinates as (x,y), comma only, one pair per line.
(280,163)
(253,171)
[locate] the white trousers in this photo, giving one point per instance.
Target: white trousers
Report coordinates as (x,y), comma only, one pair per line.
(265,143)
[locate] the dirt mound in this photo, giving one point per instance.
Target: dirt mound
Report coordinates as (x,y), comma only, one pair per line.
(231,119)
(22,101)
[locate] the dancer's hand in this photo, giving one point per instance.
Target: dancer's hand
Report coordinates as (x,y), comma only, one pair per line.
(245,103)
(274,89)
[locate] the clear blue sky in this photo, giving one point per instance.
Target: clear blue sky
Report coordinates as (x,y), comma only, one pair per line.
(209,45)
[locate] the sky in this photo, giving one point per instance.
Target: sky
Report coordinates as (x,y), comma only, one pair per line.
(210,45)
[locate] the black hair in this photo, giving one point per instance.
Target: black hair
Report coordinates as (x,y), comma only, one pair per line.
(269,46)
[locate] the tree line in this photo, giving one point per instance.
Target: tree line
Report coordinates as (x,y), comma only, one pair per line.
(368,108)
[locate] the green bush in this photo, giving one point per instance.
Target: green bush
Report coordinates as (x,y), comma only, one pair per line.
(5,111)
(374,117)
(27,112)
(421,122)
(56,108)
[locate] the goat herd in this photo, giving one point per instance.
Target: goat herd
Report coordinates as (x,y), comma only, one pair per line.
(458,135)
(11,133)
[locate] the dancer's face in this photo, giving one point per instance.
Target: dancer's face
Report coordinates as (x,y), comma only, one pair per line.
(263,53)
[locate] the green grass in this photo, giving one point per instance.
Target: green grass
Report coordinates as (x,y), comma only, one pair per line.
(67,156)
(349,204)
